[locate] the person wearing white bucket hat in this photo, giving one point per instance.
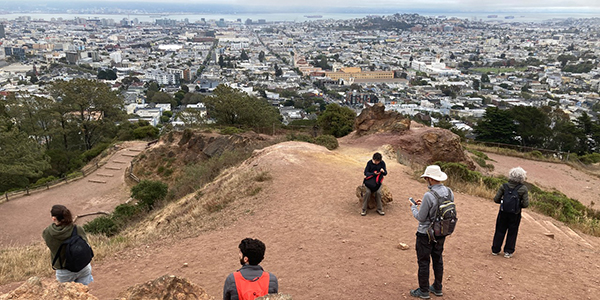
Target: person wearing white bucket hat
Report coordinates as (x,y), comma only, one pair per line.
(430,249)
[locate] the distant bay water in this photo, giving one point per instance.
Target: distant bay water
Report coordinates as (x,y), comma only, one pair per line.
(302,17)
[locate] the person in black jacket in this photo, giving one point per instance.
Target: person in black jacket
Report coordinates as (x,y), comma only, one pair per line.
(509,218)
(375,167)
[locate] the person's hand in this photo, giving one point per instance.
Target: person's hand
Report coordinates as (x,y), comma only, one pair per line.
(418,201)
(375,172)
(382,170)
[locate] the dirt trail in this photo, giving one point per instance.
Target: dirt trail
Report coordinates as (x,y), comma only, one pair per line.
(321,248)
(29,215)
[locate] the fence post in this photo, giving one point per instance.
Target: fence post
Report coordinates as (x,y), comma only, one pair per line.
(6,195)
(96,165)
(47,186)
(27,189)
(83,172)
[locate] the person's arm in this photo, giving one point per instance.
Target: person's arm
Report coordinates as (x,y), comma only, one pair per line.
(228,287)
(384,168)
(82,234)
(273,284)
(368,170)
(422,214)
(499,194)
(525,197)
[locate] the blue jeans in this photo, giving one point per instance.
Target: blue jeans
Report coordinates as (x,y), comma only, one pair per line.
(84,276)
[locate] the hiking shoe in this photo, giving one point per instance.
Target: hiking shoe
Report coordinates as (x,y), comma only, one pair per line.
(495,253)
(436,292)
(507,255)
(381,212)
(363,213)
(419,294)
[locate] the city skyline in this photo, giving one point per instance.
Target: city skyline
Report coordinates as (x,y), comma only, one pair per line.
(312,5)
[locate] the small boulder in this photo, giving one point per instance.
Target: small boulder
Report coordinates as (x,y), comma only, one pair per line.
(36,288)
(165,287)
(386,196)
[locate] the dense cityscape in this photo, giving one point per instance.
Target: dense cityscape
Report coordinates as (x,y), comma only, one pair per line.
(430,68)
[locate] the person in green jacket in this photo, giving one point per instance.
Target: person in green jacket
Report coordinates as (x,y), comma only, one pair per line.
(54,235)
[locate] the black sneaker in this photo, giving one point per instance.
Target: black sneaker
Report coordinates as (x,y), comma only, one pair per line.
(363,213)
(436,292)
(419,294)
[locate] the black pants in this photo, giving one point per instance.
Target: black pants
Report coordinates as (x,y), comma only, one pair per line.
(425,250)
(506,222)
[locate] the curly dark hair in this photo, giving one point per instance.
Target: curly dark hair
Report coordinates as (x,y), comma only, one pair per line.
(377,156)
(253,249)
(62,214)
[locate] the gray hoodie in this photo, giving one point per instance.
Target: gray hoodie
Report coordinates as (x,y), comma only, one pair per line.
(429,206)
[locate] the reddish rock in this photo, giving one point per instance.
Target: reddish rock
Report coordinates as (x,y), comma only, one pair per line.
(36,288)
(165,287)
(375,119)
(386,196)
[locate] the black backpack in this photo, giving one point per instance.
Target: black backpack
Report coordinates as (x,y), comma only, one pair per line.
(373,182)
(445,218)
(78,253)
(511,202)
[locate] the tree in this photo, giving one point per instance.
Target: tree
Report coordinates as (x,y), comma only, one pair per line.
(278,71)
(336,120)
(485,78)
(476,84)
(93,105)
(533,126)
(22,157)
(261,56)
(233,107)
(244,56)
(496,126)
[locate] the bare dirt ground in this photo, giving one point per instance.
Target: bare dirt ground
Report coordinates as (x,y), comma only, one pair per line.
(29,215)
(321,248)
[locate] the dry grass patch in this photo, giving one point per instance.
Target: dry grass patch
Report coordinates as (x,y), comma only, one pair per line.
(20,263)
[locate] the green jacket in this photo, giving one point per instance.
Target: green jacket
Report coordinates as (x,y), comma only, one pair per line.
(522,191)
(54,236)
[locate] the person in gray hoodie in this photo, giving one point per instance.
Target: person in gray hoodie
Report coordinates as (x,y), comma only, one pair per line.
(54,235)
(251,281)
(429,247)
(508,220)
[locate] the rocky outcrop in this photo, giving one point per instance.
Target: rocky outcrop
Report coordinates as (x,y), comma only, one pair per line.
(386,196)
(165,287)
(375,119)
(36,288)
(426,145)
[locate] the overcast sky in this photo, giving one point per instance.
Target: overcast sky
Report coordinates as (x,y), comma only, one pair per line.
(444,4)
(587,6)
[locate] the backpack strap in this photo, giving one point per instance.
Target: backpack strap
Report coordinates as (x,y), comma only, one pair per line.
(62,245)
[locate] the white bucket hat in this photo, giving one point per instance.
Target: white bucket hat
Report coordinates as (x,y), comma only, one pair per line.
(434,172)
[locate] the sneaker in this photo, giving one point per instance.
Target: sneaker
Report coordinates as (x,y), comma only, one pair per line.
(419,294)
(381,212)
(507,255)
(436,292)
(363,213)
(495,253)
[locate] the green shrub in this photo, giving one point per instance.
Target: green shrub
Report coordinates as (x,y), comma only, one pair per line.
(147,192)
(124,212)
(589,159)
(479,154)
(146,132)
(43,181)
(458,171)
(231,130)
(160,169)
(329,141)
(102,225)
(301,137)
(536,154)
(95,151)
(493,183)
